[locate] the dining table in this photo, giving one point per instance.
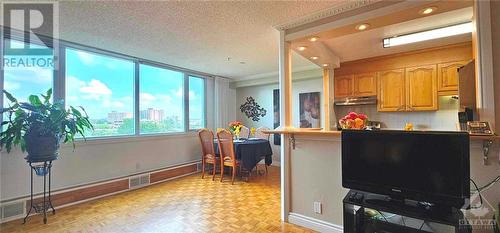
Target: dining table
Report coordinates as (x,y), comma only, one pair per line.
(250,151)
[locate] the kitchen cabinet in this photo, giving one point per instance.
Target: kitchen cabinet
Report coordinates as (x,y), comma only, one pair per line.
(365,84)
(391,91)
(421,88)
(447,76)
(343,86)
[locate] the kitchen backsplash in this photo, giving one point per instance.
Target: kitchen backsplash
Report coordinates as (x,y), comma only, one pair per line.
(443,119)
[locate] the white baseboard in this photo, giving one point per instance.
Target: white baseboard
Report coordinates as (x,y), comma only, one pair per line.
(314,224)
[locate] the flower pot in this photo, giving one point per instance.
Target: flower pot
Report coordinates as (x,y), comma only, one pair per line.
(41,148)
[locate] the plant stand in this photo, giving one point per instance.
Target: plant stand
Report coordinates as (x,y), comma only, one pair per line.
(41,168)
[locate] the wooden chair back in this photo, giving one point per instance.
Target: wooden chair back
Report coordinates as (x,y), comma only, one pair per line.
(260,134)
(226,147)
(207,143)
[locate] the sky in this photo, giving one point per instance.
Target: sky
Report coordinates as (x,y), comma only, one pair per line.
(102,84)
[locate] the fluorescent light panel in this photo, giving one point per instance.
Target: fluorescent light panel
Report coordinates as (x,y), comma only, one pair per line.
(428,35)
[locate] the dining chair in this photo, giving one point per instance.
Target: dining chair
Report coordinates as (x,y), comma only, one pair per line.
(226,151)
(208,153)
(244,132)
(259,134)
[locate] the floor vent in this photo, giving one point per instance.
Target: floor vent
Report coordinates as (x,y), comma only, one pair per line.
(138,181)
(12,210)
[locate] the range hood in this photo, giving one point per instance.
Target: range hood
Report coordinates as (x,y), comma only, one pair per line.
(349,101)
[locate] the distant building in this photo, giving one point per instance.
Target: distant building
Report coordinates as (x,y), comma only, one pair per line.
(115,117)
(152,114)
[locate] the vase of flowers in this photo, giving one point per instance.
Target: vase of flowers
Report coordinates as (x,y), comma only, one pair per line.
(353,121)
(235,127)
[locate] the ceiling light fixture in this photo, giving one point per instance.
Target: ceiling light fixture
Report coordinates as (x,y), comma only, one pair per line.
(427,10)
(458,29)
(325,65)
(302,48)
(362,27)
(314,58)
(313,39)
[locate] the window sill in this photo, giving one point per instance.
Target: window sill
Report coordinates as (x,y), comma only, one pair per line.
(126,139)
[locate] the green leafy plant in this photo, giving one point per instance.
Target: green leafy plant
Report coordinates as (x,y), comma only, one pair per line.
(40,118)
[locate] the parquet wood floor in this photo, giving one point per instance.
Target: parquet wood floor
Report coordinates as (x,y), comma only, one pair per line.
(188,204)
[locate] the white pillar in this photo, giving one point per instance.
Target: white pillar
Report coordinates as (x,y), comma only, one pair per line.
(285,82)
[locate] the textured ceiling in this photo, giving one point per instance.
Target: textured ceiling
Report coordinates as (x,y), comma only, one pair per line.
(369,43)
(198,35)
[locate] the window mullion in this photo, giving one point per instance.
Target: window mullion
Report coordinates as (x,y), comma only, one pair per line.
(136,99)
(186,102)
(59,76)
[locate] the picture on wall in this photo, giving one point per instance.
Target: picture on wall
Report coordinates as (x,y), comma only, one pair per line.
(309,110)
(276,111)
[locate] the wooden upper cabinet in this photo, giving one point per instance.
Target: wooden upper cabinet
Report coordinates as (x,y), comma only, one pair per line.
(421,88)
(365,84)
(391,90)
(343,86)
(448,77)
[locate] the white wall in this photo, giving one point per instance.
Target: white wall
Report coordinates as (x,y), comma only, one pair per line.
(263,95)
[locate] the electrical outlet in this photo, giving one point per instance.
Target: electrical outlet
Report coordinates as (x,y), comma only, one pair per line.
(317,207)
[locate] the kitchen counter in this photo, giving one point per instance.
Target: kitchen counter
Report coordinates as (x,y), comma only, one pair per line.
(337,133)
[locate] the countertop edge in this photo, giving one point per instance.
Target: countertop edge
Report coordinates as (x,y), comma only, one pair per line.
(298,131)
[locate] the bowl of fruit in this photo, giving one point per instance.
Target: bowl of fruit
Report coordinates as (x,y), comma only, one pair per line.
(353,121)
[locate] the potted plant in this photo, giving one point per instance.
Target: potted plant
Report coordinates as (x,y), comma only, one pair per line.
(38,126)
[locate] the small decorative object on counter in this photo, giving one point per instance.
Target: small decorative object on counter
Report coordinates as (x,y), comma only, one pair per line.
(353,121)
(409,126)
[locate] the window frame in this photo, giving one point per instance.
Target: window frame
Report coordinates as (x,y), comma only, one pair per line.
(59,84)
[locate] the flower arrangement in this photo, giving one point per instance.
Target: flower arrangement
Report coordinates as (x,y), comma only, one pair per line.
(235,127)
(353,121)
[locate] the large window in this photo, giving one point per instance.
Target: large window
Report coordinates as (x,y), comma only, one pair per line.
(104,87)
(196,102)
(161,102)
(122,95)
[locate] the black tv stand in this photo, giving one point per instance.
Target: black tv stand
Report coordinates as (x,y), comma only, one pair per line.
(357,219)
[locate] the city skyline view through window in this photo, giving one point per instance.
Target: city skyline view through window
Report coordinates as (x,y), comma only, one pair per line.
(105,87)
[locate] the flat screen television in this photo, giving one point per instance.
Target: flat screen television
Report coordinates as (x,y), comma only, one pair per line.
(425,166)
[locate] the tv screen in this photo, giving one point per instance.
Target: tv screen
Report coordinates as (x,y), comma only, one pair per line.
(423,166)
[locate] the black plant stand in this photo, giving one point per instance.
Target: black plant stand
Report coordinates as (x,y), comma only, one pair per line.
(41,167)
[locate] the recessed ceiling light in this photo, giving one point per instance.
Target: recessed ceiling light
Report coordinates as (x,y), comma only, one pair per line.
(302,48)
(362,27)
(242,62)
(314,38)
(453,30)
(314,58)
(325,65)
(427,10)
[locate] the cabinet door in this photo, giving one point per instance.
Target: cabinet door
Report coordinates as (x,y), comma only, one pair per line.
(343,86)
(448,77)
(391,88)
(421,88)
(365,84)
